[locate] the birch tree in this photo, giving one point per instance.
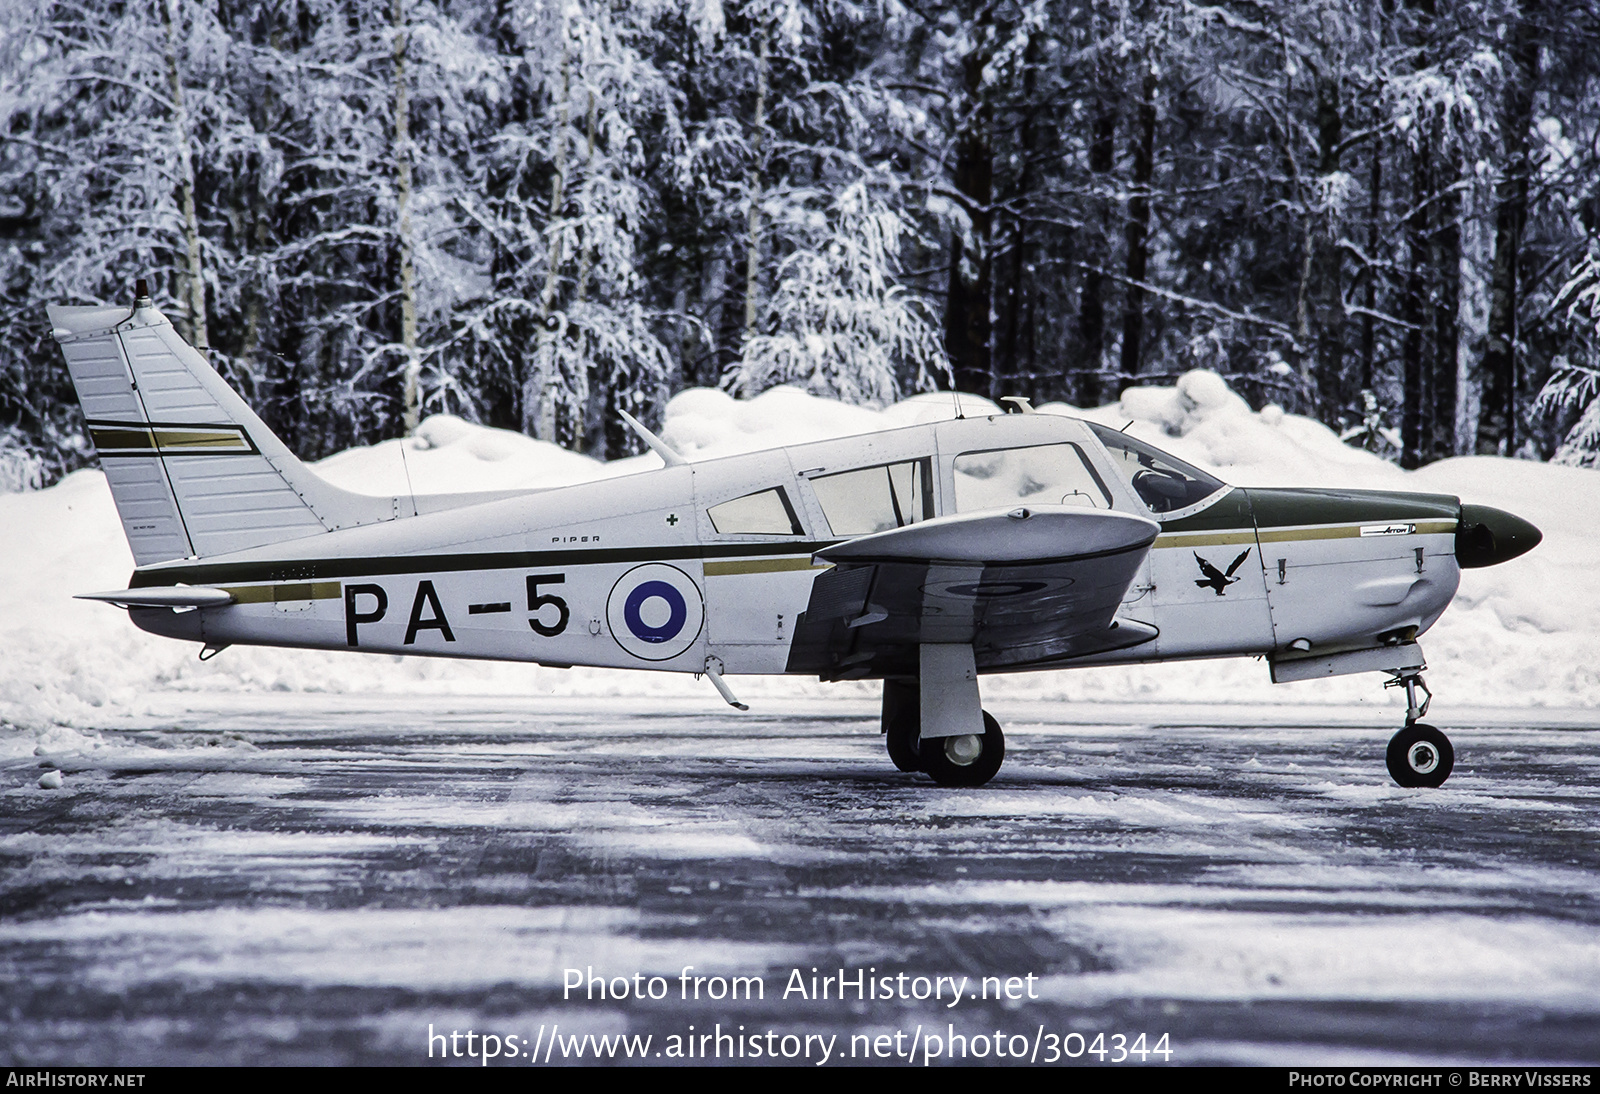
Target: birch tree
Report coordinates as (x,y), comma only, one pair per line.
(100,109)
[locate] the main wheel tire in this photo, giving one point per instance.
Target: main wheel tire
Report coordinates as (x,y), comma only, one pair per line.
(1420,755)
(967,759)
(902,718)
(901,737)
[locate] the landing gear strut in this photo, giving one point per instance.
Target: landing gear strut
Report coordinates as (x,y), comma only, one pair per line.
(1418,755)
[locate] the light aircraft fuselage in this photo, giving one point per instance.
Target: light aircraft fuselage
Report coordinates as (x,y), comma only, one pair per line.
(634,573)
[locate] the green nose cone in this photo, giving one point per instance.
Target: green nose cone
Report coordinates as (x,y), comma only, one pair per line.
(1487,537)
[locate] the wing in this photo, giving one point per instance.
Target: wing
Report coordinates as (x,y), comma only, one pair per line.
(1238,560)
(1023,588)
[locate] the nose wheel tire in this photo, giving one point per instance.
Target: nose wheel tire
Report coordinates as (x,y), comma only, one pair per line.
(967,759)
(1420,755)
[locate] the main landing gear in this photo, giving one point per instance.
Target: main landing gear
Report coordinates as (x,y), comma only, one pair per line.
(962,759)
(1418,755)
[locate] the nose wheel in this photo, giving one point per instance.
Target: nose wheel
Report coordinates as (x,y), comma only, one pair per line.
(1418,755)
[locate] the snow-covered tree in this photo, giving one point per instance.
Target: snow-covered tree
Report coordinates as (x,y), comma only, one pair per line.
(364,260)
(838,322)
(536,213)
(560,335)
(104,111)
(1574,388)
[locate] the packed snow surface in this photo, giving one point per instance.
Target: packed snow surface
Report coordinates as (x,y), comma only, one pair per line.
(1521,634)
(312,878)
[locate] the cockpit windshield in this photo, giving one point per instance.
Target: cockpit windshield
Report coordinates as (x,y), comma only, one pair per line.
(1164,483)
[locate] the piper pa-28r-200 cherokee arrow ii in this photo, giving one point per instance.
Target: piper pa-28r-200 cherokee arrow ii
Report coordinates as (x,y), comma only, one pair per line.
(922,556)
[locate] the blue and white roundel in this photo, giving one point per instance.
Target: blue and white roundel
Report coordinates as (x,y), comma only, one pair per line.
(655,612)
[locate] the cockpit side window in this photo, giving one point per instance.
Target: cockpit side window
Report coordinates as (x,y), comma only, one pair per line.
(876,499)
(765,513)
(1048,474)
(1164,483)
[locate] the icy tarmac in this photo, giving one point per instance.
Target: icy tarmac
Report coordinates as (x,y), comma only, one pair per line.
(305,879)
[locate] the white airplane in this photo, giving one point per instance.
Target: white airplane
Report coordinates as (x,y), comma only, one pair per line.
(923,556)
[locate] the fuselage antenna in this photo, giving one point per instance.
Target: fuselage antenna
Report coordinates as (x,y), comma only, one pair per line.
(955,388)
(657,445)
(406,467)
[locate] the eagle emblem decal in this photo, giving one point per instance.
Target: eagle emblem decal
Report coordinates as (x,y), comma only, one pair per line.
(1215,578)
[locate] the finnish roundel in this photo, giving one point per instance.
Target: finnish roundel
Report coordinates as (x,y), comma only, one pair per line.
(655,612)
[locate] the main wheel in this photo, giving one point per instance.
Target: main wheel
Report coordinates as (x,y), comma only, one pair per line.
(1420,755)
(967,759)
(901,737)
(901,720)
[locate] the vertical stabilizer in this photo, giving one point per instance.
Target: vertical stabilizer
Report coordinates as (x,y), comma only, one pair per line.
(193,471)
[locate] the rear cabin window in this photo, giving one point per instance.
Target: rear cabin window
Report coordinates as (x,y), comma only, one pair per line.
(766,513)
(1164,483)
(1050,474)
(876,499)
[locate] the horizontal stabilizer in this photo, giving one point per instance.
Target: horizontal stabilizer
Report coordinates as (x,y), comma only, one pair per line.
(180,597)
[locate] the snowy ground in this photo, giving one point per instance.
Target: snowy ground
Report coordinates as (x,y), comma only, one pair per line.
(279,856)
(315,879)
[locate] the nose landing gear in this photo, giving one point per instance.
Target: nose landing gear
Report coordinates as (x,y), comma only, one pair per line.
(1418,755)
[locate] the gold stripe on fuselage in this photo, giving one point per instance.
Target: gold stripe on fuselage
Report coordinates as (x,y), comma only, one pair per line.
(283,592)
(762,566)
(1204,539)
(1351,531)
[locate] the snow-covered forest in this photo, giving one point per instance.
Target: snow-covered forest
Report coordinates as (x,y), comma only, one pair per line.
(535,213)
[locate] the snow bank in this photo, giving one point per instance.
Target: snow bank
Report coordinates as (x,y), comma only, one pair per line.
(704,423)
(1204,421)
(449,456)
(1519,634)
